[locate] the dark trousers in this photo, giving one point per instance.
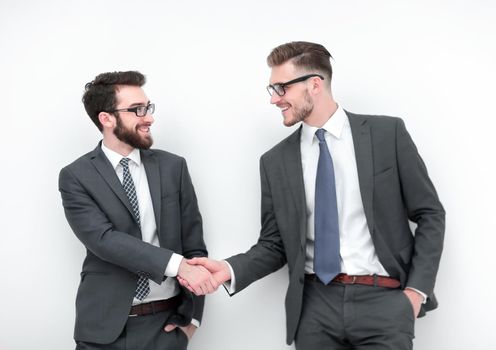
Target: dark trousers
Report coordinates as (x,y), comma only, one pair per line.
(144,333)
(339,317)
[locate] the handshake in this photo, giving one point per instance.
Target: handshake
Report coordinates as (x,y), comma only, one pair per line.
(203,275)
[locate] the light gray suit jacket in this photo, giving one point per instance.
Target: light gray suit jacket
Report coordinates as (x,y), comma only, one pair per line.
(101,216)
(395,189)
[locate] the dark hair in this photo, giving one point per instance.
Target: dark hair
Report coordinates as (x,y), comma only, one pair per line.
(309,56)
(99,94)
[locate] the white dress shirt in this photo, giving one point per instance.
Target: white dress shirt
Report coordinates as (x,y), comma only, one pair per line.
(169,287)
(358,256)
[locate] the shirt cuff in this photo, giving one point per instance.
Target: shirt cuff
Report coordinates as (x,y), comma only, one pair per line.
(231,284)
(195,323)
(421,293)
(173,265)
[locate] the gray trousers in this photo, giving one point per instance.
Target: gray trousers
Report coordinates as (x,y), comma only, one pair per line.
(360,317)
(144,333)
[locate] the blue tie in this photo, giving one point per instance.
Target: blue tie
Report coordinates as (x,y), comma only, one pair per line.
(143,286)
(326,262)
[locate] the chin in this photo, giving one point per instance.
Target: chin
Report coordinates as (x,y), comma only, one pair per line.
(289,122)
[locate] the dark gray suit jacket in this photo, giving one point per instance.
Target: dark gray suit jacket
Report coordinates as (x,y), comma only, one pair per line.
(395,189)
(99,213)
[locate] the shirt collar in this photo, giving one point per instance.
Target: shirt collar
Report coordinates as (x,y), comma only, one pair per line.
(334,126)
(115,157)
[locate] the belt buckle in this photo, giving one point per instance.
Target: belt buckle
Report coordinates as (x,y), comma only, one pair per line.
(353,280)
(133,315)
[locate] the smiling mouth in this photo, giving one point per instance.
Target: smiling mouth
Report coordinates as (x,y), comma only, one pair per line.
(144,128)
(284,107)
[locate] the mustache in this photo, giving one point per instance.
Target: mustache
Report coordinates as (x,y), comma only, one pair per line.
(143,124)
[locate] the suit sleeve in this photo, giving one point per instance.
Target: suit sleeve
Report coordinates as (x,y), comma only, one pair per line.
(423,208)
(191,231)
(191,220)
(97,233)
(268,254)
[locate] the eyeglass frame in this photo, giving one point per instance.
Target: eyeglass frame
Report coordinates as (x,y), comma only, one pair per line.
(275,86)
(149,109)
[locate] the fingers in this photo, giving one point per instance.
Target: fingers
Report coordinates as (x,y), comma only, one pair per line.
(193,277)
(198,290)
(214,284)
(182,281)
(201,275)
(185,284)
(222,273)
(170,327)
(197,261)
(204,284)
(211,284)
(200,280)
(189,330)
(416,299)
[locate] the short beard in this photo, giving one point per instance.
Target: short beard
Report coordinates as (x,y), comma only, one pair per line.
(132,137)
(301,113)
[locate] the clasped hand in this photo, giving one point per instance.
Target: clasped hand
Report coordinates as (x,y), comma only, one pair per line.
(203,275)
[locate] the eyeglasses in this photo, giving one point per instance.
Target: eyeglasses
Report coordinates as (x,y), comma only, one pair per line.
(280,88)
(140,111)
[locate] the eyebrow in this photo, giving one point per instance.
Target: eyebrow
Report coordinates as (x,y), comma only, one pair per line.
(136,104)
(282,82)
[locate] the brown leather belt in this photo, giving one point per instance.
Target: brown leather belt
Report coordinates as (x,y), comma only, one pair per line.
(368,280)
(155,306)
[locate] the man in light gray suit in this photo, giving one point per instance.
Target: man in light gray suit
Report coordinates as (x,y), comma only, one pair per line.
(337,198)
(136,212)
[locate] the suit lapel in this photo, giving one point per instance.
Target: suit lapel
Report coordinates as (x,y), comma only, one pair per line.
(294,175)
(360,129)
(107,172)
(153,177)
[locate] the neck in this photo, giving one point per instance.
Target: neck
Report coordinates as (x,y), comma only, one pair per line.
(116,145)
(322,112)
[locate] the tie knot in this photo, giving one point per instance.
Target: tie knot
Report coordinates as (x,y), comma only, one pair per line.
(124,162)
(320,135)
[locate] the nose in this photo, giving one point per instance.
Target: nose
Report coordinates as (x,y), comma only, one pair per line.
(275,98)
(149,118)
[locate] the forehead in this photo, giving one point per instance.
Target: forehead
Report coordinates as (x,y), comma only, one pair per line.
(282,73)
(130,95)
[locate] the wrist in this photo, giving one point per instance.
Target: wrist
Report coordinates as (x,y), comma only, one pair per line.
(415,294)
(183,267)
(172,268)
(227,270)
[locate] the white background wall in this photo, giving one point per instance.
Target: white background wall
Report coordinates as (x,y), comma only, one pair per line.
(430,62)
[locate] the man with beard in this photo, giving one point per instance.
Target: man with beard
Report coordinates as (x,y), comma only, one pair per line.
(337,198)
(135,211)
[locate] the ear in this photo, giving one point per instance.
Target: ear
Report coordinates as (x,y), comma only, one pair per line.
(106,119)
(316,85)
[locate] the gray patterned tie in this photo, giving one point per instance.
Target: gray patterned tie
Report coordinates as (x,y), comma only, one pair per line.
(327,261)
(143,286)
